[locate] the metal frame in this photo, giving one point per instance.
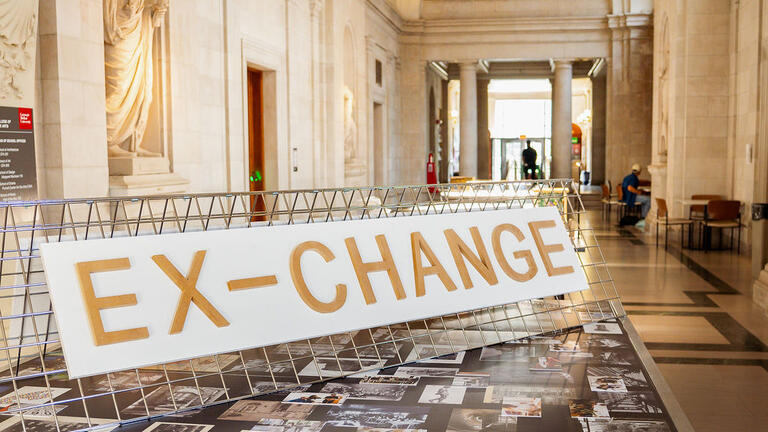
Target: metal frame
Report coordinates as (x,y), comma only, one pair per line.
(31,355)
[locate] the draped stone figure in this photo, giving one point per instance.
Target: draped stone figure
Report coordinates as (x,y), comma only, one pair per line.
(350,127)
(17,42)
(129,27)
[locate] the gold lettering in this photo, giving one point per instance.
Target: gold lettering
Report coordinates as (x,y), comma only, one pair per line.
(525,254)
(419,246)
(545,250)
(482,263)
(189,292)
(301,285)
(94,305)
(386,264)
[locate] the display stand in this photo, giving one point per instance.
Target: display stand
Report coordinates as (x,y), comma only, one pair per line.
(38,389)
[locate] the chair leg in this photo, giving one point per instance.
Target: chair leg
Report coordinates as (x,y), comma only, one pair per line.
(666,236)
(738,245)
(657,234)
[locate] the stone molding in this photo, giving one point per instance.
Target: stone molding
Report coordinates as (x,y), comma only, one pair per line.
(636,20)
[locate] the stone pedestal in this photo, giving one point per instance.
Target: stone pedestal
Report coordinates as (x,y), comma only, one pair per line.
(143,176)
(760,290)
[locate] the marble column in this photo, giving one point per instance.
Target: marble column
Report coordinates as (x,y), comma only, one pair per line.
(468,119)
(561,120)
(483,135)
(597,167)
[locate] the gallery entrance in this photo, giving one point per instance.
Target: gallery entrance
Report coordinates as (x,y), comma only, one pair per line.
(256,140)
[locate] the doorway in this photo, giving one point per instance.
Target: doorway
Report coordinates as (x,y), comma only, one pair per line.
(256,172)
(379,156)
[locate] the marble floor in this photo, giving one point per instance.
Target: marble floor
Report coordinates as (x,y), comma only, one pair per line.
(695,313)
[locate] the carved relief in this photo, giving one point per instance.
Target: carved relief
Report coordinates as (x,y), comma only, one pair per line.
(17,42)
(663,94)
(129,29)
(350,127)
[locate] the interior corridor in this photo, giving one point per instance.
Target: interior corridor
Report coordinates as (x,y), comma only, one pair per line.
(695,315)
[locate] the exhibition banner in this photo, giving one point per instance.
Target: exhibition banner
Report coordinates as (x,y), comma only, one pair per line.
(129,302)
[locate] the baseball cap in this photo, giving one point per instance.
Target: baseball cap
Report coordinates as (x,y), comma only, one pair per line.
(636,167)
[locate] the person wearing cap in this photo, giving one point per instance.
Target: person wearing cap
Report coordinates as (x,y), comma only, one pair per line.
(631,192)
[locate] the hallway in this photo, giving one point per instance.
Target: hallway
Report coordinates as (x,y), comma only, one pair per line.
(696,317)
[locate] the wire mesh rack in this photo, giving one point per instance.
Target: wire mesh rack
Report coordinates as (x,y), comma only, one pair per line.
(33,375)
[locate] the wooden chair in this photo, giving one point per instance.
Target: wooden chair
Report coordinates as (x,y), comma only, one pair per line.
(608,202)
(662,218)
(697,211)
(722,214)
(623,208)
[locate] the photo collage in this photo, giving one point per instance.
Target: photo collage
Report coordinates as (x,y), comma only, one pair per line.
(586,379)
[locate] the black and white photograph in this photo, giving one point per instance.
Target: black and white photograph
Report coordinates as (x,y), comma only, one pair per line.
(521,407)
(607,384)
(390,379)
(280,425)
(631,377)
(623,425)
(472,379)
(387,392)
(177,427)
(618,357)
(65,424)
(432,354)
(479,420)
(620,404)
(438,394)
(267,387)
(411,371)
(126,380)
(254,410)
(28,396)
(607,341)
(333,367)
(602,328)
(377,416)
(159,401)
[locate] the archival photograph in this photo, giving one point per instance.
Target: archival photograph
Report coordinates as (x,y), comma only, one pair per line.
(429,354)
(607,384)
(329,366)
(315,398)
(409,371)
(390,379)
(255,410)
(472,379)
(630,403)
(388,392)
(437,394)
(177,427)
(280,425)
(377,416)
(521,407)
(159,400)
(587,408)
(265,387)
(479,420)
(631,377)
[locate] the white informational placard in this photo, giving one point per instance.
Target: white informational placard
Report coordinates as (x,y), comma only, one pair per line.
(129,302)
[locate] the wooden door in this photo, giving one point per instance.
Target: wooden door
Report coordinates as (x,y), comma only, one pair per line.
(256,140)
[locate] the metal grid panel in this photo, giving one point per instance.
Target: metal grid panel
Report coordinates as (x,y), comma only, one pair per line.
(31,355)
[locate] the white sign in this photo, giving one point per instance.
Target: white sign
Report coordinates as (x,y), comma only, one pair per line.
(136,301)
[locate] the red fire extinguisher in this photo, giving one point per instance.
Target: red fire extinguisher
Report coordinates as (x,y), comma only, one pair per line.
(431,173)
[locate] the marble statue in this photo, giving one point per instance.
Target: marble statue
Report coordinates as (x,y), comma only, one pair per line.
(350,127)
(129,27)
(17,45)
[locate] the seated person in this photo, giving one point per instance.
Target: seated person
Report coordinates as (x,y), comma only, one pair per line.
(631,192)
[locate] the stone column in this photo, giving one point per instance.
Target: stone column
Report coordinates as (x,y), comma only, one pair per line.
(561,120)
(483,136)
(598,129)
(468,119)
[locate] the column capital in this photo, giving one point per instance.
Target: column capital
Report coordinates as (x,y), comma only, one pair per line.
(469,64)
(315,7)
(561,63)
